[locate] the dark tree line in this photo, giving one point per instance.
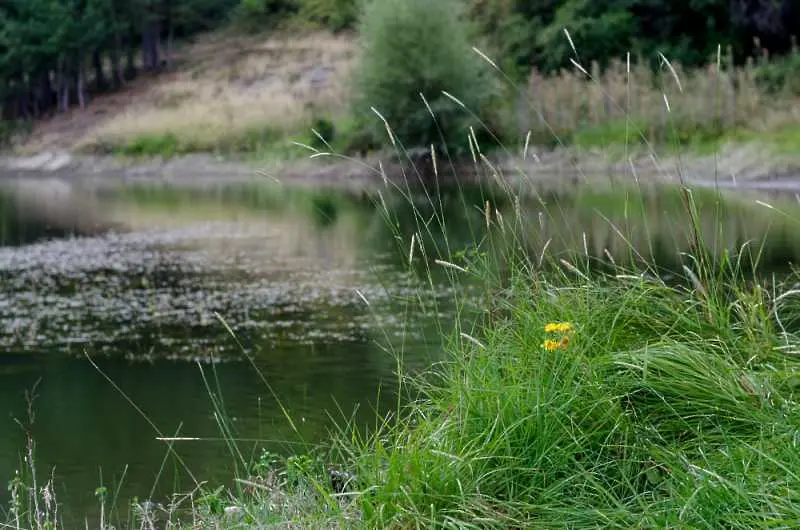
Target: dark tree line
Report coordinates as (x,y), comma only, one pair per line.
(529,33)
(55,53)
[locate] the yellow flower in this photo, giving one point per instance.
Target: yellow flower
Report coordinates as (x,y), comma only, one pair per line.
(551,345)
(563,328)
(558,327)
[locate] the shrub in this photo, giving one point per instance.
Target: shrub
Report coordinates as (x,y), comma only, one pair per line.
(165,145)
(11,130)
(781,75)
(326,131)
(336,15)
(257,15)
(413,47)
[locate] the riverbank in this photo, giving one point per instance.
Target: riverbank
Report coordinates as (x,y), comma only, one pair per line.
(749,166)
(620,402)
(255,97)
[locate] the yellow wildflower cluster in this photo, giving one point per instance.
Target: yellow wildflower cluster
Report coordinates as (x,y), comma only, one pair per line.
(557,327)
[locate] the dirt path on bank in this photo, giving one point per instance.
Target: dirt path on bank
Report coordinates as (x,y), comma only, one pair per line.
(748,167)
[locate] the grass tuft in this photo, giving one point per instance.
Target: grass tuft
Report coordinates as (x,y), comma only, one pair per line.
(653,415)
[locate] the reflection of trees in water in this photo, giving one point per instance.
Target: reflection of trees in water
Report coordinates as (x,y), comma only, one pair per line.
(635,230)
(20,227)
(663,239)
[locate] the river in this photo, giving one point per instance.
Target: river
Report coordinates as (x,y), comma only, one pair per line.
(130,308)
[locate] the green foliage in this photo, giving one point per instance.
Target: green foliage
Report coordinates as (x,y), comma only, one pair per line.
(259,15)
(11,129)
(531,34)
(781,75)
(600,32)
(680,134)
(324,210)
(324,134)
(412,48)
(168,144)
(165,145)
(336,15)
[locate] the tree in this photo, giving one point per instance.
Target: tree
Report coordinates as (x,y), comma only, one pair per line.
(413,49)
(600,30)
(771,21)
(531,32)
(49,47)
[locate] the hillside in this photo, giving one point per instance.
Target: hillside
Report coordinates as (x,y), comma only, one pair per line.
(224,91)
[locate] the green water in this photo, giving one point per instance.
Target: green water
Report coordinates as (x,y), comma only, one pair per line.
(137,280)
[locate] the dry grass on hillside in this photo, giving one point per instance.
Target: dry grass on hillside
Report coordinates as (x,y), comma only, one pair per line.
(227,92)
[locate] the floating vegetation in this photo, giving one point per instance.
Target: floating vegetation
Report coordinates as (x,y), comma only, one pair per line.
(162,293)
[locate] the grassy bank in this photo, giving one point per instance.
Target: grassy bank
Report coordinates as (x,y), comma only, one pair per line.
(699,108)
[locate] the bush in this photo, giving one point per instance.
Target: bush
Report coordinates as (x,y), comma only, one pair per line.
(258,15)
(411,47)
(781,75)
(165,145)
(336,15)
(10,130)
(326,132)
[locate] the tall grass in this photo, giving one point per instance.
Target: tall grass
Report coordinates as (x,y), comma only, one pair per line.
(626,103)
(664,409)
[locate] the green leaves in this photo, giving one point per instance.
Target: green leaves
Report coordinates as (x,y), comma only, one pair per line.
(45,44)
(413,51)
(687,31)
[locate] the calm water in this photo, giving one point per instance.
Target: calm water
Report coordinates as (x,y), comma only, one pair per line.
(136,278)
